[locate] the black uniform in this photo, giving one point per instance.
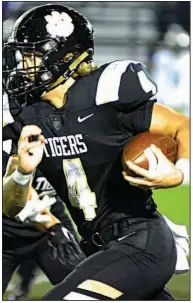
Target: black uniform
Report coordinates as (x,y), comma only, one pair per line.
(26,245)
(134,250)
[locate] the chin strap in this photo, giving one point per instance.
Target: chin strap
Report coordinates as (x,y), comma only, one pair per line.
(72,68)
(76,62)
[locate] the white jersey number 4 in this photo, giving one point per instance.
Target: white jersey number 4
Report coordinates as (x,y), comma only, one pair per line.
(79,192)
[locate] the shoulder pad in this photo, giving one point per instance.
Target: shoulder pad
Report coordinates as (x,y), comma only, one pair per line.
(128,78)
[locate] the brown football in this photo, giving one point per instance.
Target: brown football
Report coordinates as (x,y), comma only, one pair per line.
(134,149)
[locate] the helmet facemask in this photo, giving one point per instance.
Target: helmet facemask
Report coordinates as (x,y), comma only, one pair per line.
(22,80)
(49,67)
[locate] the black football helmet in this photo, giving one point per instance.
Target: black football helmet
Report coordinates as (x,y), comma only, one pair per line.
(50,32)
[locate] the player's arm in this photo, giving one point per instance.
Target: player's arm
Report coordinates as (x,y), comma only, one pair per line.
(140,114)
(166,175)
(31,193)
(14,195)
(17,181)
(166,120)
(63,244)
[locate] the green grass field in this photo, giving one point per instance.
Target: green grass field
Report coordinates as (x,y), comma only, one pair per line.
(175,204)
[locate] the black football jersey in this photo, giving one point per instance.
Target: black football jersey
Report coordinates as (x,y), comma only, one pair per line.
(84,142)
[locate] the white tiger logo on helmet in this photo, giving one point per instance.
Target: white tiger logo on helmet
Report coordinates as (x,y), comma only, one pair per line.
(59,24)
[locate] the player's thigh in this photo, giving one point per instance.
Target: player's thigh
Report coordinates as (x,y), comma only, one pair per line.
(52,267)
(70,288)
(132,269)
(107,275)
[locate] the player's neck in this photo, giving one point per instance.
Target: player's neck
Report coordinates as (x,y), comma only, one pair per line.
(57,96)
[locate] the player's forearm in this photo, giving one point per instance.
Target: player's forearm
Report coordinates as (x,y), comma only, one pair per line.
(167,121)
(15,196)
(183,138)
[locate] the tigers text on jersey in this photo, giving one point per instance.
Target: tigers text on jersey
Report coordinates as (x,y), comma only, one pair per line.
(65,146)
(84,141)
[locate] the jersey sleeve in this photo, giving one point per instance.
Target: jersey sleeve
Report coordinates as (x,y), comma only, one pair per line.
(126,84)
(137,121)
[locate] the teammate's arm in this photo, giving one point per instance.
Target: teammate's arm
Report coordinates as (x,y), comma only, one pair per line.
(15,189)
(14,195)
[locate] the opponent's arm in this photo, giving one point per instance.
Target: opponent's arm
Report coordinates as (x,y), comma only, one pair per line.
(19,174)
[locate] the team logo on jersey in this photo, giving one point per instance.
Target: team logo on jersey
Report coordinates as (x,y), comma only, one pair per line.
(82,119)
(56,123)
(59,24)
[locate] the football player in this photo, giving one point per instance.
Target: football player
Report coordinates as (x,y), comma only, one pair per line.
(73,123)
(39,243)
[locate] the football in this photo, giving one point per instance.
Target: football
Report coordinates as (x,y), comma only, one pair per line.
(134,149)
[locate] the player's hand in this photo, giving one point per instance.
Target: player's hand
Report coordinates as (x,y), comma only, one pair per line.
(64,247)
(44,226)
(162,175)
(30,153)
(36,213)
